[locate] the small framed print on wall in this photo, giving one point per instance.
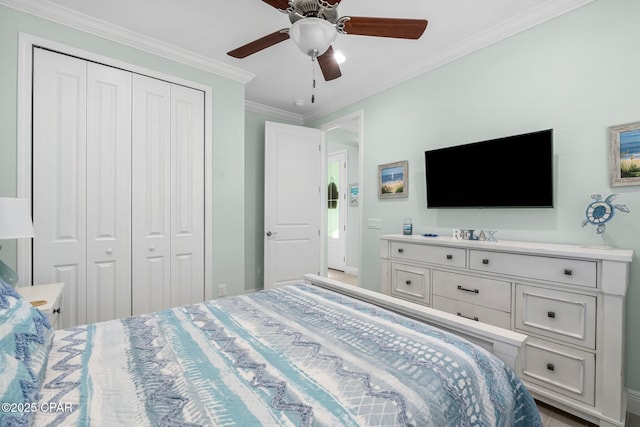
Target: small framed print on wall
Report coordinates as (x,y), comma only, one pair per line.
(393,180)
(354,195)
(624,154)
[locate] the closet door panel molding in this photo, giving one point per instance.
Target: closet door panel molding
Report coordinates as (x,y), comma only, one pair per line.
(187,195)
(59,178)
(108,193)
(151,203)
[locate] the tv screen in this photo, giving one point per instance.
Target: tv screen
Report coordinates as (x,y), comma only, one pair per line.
(510,172)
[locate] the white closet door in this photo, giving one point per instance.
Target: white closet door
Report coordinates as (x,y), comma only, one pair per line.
(187,195)
(108,193)
(59,178)
(151,197)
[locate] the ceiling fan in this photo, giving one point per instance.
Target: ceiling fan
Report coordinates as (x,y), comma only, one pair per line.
(315,25)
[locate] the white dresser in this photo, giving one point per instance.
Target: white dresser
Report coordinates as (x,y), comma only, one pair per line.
(568,299)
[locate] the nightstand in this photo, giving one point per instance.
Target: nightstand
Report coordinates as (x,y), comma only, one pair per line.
(46,298)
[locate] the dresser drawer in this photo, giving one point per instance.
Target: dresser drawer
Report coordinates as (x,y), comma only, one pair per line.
(572,271)
(489,293)
(474,312)
(443,255)
(567,371)
(565,316)
(410,282)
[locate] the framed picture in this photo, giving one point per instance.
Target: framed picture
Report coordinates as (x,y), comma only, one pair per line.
(393,180)
(354,195)
(624,154)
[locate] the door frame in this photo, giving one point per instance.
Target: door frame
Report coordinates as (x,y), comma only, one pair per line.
(26,44)
(325,127)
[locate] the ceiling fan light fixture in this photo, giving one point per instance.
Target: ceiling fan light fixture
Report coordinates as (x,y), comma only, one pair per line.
(313,36)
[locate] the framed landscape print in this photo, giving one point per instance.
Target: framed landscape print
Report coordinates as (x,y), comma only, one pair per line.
(393,180)
(624,154)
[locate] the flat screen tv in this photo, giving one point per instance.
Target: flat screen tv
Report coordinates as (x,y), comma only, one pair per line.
(510,172)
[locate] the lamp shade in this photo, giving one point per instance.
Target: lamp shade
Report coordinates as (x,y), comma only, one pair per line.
(313,36)
(15,219)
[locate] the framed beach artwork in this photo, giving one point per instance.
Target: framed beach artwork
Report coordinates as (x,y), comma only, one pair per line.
(393,180)
(624,154)
(354,195)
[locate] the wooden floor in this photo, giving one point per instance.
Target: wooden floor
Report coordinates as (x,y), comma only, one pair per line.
(551,417)
(343,277)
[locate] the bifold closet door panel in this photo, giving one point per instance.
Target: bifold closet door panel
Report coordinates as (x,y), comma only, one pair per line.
(151,195)
(108,193)
(187,195)
(59,178)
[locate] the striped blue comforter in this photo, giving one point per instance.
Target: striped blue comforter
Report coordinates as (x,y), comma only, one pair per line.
(294,356)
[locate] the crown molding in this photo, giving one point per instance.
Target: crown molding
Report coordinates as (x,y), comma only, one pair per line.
(273,112)
(541,13)
(79,21)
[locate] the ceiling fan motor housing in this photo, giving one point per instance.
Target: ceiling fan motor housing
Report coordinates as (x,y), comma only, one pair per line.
(301,9)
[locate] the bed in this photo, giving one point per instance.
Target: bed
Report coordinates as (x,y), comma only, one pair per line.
(303,355)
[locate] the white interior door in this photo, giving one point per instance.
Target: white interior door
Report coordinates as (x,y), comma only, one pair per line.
(108,193)
(292,207)
(151,202)
(59,178)
(187,195)
(337,211)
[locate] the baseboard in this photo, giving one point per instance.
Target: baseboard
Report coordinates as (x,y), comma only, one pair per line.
(633,401)
(351,270)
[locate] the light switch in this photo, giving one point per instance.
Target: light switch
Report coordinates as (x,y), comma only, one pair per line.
(374,223)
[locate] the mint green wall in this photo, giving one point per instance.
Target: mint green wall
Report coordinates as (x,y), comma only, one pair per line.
(228,130)
(577,74)
(254,197)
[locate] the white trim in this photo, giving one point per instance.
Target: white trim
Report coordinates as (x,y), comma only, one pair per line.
(547,10)
(633,401)
(26,43)
(273,112)
(100,28)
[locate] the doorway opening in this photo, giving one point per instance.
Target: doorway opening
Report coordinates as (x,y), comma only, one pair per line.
(343,140)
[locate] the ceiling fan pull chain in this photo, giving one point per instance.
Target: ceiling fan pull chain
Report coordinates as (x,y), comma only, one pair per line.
(313,78)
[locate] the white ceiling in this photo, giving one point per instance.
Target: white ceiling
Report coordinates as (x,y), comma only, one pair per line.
(283,74)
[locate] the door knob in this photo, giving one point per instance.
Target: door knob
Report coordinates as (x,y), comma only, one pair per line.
(271,233)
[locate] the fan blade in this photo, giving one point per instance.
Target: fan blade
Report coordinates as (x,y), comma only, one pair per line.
(385,27)
(278,4)
(261,43)
(329,65)
(332,2)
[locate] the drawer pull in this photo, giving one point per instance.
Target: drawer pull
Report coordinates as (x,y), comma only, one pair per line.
(449,256)
(551,367)
(56,310)
(568,272)
(551,314)
(473,291)
(408,282)
(400,250)
(485,261)
(468,317)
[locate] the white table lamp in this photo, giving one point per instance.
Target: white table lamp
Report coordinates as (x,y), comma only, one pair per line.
(15,223)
